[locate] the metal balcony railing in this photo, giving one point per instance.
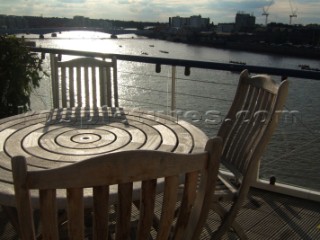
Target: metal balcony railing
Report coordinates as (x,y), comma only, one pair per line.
(202,91)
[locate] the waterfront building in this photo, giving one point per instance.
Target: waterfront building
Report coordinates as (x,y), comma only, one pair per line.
(3,24)
(81,21)
(225,27)
(12,22)
(199,22)
(244,22)
(177,22)
(195,21)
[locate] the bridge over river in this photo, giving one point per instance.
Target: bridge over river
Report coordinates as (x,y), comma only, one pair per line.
(61,29)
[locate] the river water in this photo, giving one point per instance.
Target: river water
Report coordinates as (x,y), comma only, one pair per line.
(292,156)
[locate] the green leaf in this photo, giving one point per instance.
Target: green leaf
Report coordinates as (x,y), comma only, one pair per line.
(20,73)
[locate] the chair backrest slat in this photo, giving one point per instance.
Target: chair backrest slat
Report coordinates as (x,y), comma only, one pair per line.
(19,170)
(123,169)
(90,73)
(71,87)
(95,102)
(246,122)
(124,210)
(86,86)
(48,214)
(189,196)
(115,82)
(146,207)
(257,125)
(168,206)
(100,212)
(75,212)
(79,87)
(63,86)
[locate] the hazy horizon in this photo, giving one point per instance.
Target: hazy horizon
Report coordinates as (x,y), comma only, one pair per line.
(160,10)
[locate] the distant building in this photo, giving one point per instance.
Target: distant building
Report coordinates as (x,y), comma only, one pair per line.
(12,22)
(178,22)
(3,24)
(199,22)
(225,27)
(244,22)
(196,22)
(81,21)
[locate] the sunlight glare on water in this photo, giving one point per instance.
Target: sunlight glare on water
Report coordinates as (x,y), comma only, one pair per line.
(81,40)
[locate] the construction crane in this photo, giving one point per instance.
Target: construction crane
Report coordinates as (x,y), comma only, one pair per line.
(265,11)
(293,12)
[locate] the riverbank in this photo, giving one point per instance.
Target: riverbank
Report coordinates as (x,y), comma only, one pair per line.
(280,49)
(240,43)
(275,49)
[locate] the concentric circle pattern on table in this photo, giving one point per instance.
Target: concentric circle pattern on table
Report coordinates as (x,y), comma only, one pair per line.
(64,136)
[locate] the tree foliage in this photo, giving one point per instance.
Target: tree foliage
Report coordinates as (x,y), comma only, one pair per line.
(20,73)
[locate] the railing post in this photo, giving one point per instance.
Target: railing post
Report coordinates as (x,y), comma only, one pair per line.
(115,82)
(54,84)
(173,91)
(256,172)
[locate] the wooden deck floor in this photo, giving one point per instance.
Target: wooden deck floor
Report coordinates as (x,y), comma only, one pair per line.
(265,215)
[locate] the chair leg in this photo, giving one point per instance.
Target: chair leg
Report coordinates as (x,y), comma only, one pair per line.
(239,230)
(227,222)
(222,229)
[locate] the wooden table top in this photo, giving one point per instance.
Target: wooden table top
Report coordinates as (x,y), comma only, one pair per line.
(57,137)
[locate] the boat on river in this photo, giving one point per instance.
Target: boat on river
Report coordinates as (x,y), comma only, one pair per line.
(307,67)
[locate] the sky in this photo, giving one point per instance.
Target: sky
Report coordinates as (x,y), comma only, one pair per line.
(219,11)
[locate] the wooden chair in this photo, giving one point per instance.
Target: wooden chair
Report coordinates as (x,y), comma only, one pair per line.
(246,131)
(84,82)
(122,168)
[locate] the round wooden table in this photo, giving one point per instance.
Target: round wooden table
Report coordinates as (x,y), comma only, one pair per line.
(49,139)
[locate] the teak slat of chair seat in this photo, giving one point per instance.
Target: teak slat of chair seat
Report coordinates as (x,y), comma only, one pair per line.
(248,127)
(123,169)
